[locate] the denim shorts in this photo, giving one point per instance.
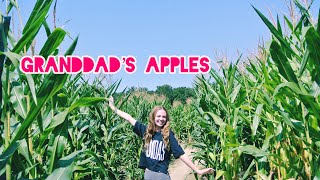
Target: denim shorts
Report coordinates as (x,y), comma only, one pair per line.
(151,175)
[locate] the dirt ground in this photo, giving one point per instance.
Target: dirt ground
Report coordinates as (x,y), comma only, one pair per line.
(178,170)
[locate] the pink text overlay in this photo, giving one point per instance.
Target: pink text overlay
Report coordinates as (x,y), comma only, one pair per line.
(113,64)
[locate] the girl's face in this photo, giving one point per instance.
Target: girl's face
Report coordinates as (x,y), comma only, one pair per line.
(161,118)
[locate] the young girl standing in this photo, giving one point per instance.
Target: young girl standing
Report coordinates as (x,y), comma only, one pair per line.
(159,143)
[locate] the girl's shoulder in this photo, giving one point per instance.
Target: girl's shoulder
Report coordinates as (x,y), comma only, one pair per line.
(171,134)
(139,128)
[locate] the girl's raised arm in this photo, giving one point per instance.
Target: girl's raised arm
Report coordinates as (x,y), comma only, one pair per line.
(122,114)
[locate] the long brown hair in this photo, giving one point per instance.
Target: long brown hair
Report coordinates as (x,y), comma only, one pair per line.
(151,128)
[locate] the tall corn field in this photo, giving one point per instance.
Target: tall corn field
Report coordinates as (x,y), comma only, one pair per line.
(263,122)
(56,126)
(258,123)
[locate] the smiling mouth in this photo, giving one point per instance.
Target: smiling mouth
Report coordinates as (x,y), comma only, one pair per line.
(160,122)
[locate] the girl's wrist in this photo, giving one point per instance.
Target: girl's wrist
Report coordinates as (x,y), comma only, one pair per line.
(114,108)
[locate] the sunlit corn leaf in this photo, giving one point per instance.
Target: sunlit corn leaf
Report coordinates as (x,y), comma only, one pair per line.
(235,93)
(15,59)
(256,119)
(282,62)
(275,32)
(18,100)
(216,119)
(86,101)
(54,40)
(40,10)
(31,29)
(291,85)
(23,149)
(56,120)
(219,174)
(64,168)
(252,150)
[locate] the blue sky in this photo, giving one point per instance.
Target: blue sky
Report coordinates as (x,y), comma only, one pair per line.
(142,28)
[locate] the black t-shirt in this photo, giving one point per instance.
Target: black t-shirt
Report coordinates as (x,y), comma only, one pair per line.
(157,157)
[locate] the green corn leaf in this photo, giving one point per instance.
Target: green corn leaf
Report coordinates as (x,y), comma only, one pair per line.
(231,74)
(291,85)
(304,62)
(318,24)
(64,169)
(286,118)
(282,62)
(53,41)
(46,27)
(231,135)
(279,132)
(15,58)
(216,76)
(313,45)
(29,35)
(4,27)
(312,105)
(235,118)
(40,122)
(298,125)
(314,133)
(275,32)
(103,168)
(266,142)
(55,149)
(288,23)
(219,174)
(298,29)
(11,38)
(4,157)
(220,98)
(252,150)
(279,26)
(23,149)
(18,100)
(72,47)
(39,11)
(216,119)
(248,170)
(51,84)
(302,9)
(256,119)
(60,118)
(56,121)
(113,88)
(317,176)
(113,129)
(10,6)
(86,101)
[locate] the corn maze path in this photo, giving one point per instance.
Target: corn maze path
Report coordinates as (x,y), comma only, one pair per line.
(178,170)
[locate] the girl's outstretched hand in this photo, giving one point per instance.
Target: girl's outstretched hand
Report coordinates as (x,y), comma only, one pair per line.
(111,103)
(205,171)
(120,113)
